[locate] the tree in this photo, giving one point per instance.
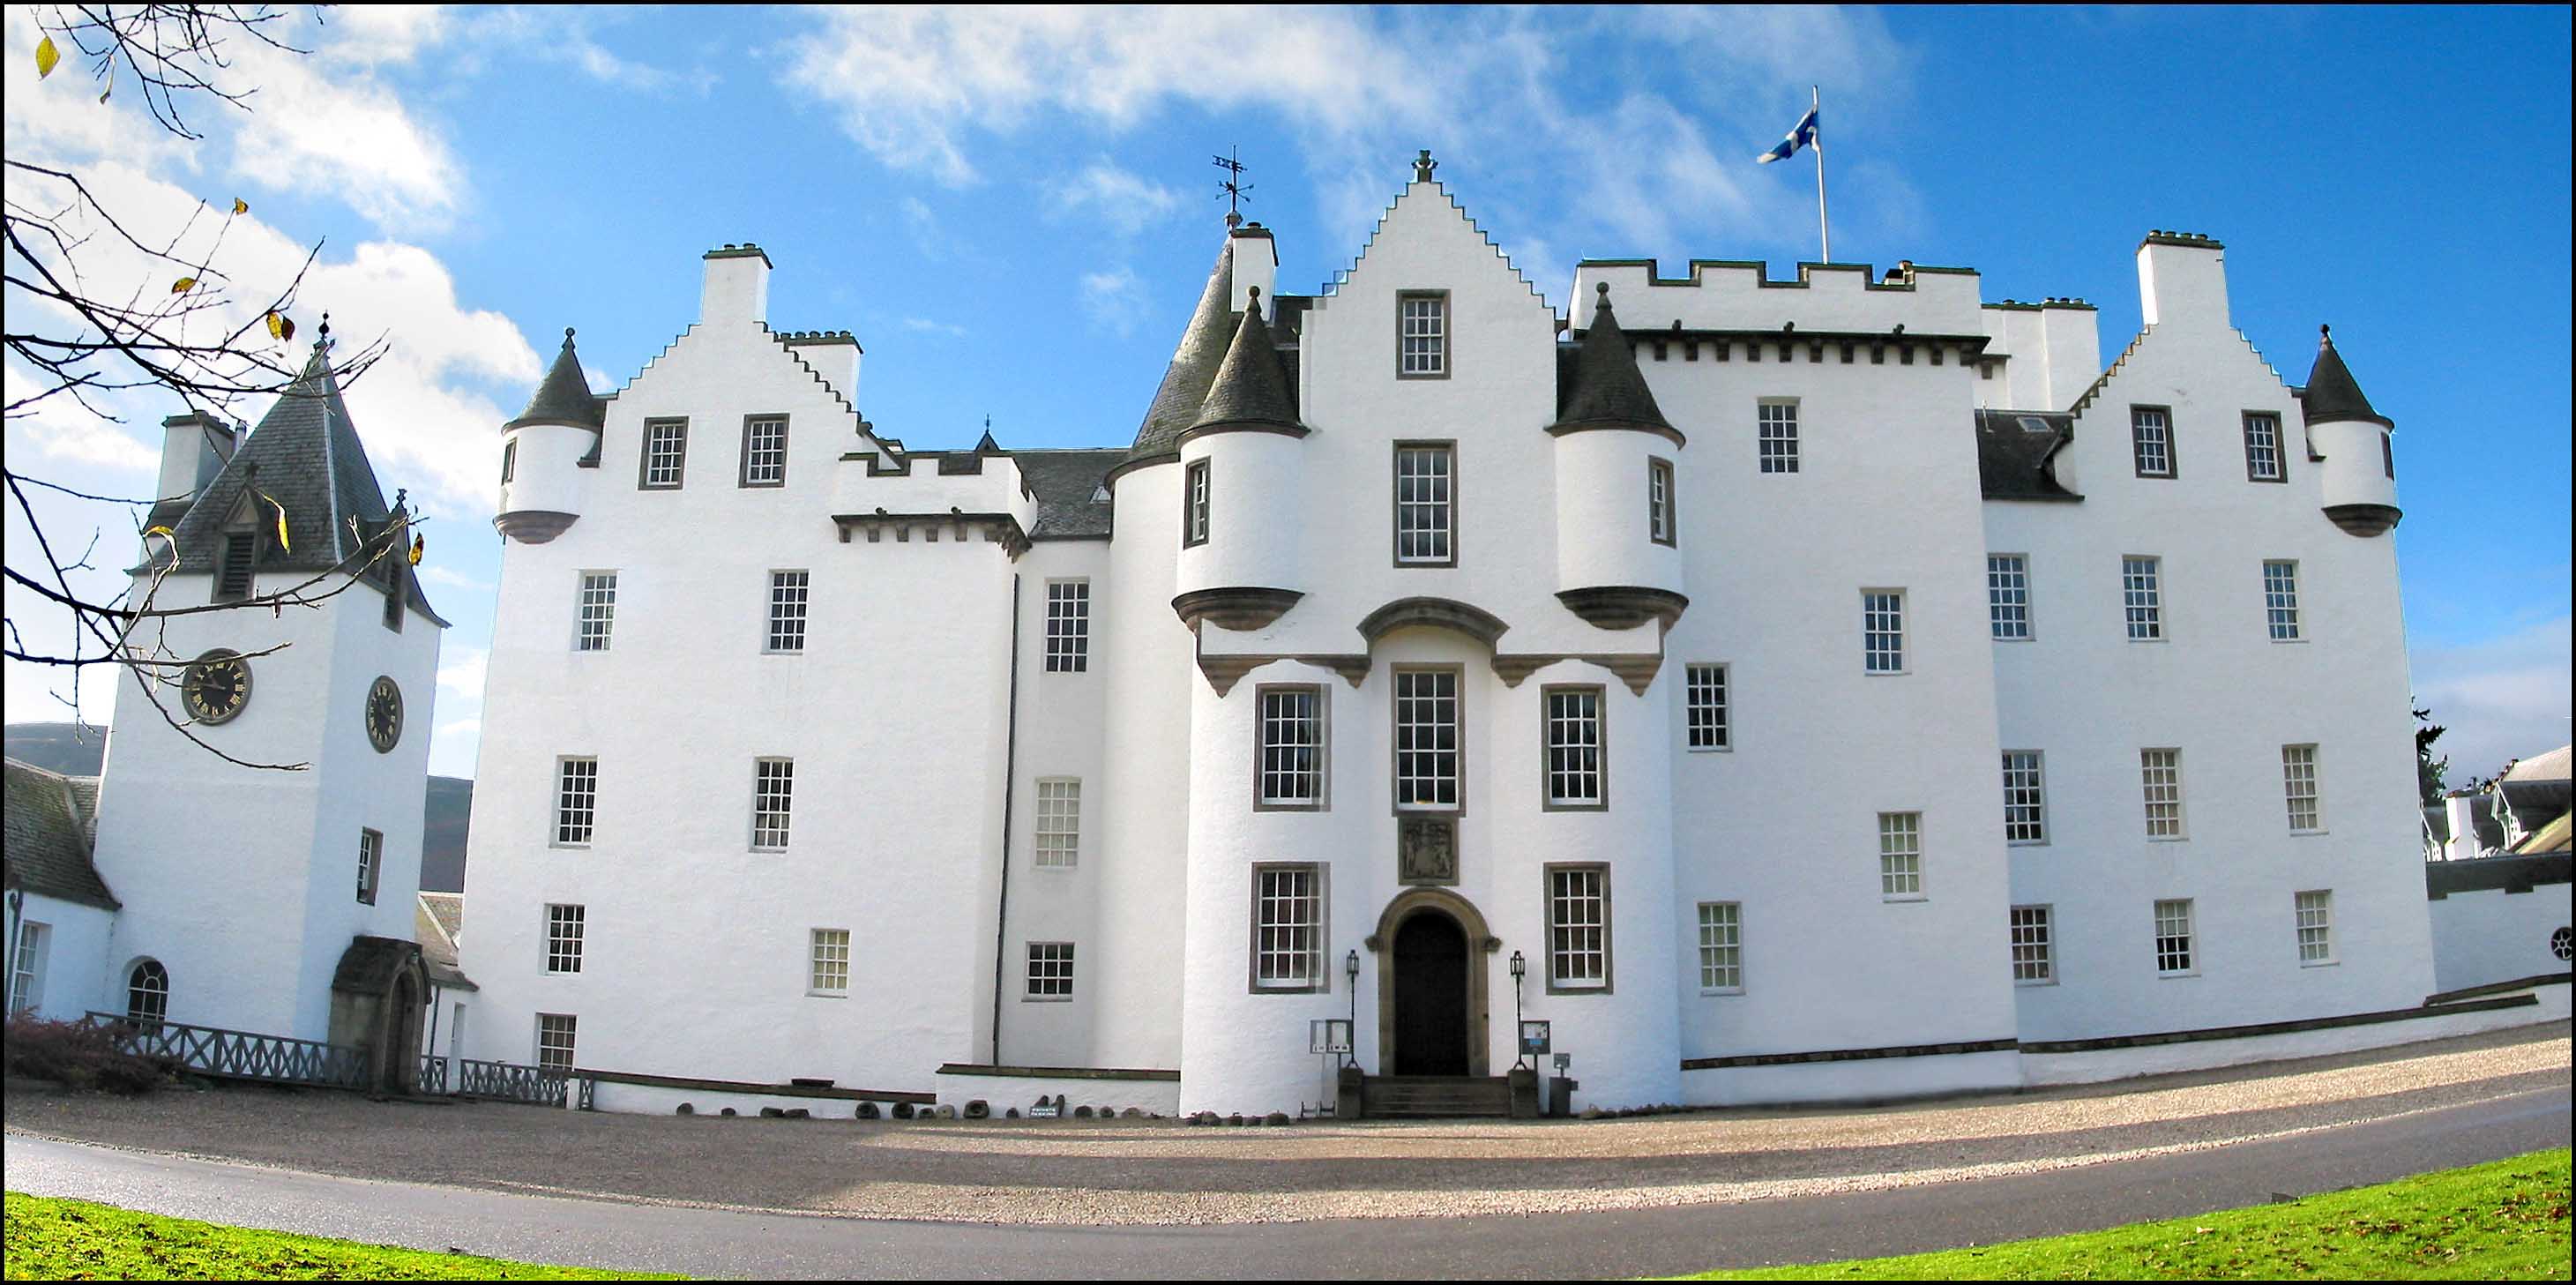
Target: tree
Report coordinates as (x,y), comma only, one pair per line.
(2429,771)
(91,328)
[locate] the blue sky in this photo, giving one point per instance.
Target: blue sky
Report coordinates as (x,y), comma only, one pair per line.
(1014,209)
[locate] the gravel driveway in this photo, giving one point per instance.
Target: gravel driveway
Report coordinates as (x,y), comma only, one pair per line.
(1132,1172)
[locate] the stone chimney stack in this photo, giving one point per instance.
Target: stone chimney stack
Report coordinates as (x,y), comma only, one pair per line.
(737,288)
(193,449)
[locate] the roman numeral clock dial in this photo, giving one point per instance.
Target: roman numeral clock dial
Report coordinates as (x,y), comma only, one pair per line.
(384,715)
(216,686)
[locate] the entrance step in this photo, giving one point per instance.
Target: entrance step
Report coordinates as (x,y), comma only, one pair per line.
(1431,1096)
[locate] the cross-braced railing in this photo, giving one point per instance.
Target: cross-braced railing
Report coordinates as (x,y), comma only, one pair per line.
(510,1082)
(433,1074)
(240,1055)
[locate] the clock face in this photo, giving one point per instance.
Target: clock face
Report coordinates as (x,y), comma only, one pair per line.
(384,714)
(216,687)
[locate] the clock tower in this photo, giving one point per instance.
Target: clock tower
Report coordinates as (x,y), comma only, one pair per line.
(261,806)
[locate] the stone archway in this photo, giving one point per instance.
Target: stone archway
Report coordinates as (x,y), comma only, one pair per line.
(376,997)
(1392,942)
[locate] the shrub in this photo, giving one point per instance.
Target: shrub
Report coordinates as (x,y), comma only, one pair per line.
(81,1056)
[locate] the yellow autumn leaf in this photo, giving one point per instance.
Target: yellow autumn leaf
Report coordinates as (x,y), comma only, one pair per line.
(240,206)
(280,328)
(183,285)
(418,543)
(282,542)
(46,57)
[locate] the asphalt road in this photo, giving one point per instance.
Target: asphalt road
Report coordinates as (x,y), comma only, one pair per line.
(705,1242)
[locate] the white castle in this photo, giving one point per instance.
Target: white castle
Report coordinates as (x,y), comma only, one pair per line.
(1784,690)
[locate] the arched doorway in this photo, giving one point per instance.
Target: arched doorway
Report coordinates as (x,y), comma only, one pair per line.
(1431,947)
(1430,995)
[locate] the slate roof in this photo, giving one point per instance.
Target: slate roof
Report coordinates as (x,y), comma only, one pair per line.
(436,918)
(2012,458)
(2331,395)
(1251,388)
(1606,390)
(565,396)
(1194,363)
(50,825)
(1063,482)
(305,456)
(2536,789)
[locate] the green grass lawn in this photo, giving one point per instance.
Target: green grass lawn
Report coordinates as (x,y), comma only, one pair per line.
(74,1240)
(2502,1221)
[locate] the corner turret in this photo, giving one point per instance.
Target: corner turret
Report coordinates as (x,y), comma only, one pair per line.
(2360,487)
(1241,486)
(1618,561)
(542,449)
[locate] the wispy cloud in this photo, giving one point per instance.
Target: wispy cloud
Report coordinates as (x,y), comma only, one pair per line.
(1114,300)
(926,326)
(2502,698)
(1127,202)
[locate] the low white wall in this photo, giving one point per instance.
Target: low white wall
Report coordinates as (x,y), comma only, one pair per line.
(1003,1092)
(2117,1064)
(1860,1080)
(2491,935)
(648,1099)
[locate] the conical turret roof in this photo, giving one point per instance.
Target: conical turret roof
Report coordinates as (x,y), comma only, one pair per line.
(303,467)
(564,397)
(2331,395)
(1606,390)
(1251,388)
(1194,364)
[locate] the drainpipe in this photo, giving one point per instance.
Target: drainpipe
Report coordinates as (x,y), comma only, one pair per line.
(17,919)
(1010,786)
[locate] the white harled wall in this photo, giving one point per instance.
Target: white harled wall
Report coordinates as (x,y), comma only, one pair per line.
(898,715)
(2218,689)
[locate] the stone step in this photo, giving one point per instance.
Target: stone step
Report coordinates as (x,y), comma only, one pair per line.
(1445,1096)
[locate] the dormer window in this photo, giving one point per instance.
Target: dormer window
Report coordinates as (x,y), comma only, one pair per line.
(1422,335)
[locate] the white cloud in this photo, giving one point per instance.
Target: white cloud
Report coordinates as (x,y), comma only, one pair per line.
(1126,202)
(436,574)
(462,672)
(1114,300)
(1547,97)
(926,326)
(2503,698)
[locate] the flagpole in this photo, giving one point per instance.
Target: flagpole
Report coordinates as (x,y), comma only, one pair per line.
(1824,230)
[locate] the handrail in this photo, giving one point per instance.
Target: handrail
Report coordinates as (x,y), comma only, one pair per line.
(240,1055)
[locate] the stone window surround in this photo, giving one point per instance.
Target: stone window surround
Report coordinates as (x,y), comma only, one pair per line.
(1663,503)
(2037,785)
(773,802)
(1029,976)
(1319,895)
(1068,625)
(2299,768)
(2281,622)
(1403,297)
(2322,925)
(819,956)
(567,925)
(2162,777)
(559,1037)
(2138,441)
(790,608)
(2142,598)
(1395,739)
(679,425)
(2018,605)
(743,478)
(571,803)
(2181,960)
(1775,437)
(1896,633)
(1547,747)
(2280,448)
(594,588)
(1733,926)
(2036,934)
(371,864)
(1547,891)
(1323,771)
(1449,503)
(1721,709)
(1197,489)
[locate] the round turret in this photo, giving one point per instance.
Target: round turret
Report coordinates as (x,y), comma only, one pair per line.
(1241,489)
(2360,470)
(543,451)
(1618,559)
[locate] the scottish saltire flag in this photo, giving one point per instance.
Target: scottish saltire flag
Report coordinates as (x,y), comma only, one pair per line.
(1804,135)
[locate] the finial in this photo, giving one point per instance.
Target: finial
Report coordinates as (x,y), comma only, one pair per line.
(1601,288)
(322,337)
(1423,165)
(2325,335)
(567,336)
(1256,296)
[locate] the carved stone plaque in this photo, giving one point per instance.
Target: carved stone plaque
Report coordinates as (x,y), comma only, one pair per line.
(1426,850)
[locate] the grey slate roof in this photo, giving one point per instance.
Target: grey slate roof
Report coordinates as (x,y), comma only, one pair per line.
(2331,396)
(49,827)
(1194,363)
(565,396)
(1606,390)
(305,456)
(1063,482)
(2012,460)
(1251,388)
(436,918)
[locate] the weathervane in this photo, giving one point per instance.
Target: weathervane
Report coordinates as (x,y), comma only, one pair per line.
(1232,186)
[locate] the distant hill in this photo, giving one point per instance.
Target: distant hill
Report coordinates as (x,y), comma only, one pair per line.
(444,814)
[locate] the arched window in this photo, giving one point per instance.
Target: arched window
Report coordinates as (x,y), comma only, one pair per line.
(147,991)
